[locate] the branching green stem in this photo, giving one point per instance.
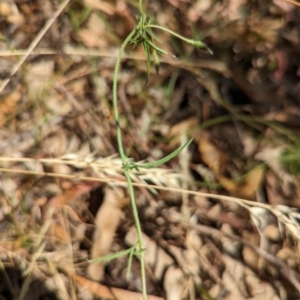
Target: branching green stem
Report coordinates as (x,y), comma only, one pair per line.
(115,97)
(162,160)
(141,8)
(142,34)
(195,43)
(188,41)
(126,162)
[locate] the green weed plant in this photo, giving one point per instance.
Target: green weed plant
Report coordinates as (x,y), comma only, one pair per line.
(143,35)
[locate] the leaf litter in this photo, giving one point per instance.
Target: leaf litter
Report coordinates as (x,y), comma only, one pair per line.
(63,193)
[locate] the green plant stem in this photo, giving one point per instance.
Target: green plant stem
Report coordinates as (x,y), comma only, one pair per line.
(196,43)
(138,230)
(188,41)
(141,8)
(161,161)
(115,97)
(125,160)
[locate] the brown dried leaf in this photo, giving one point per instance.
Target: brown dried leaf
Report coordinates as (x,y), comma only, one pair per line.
(8,104)
(247,188)
(288,255)
(10,12)
(16,19)
(284,5)
(198,9)
(103,291)
(192,259)
(229,246)
(174,283)
(185,126)
(272,232)
(234,279)
(260,290)
(252,182)
(210,154)
(59,228)
(235,9)
(214,212)
(251,258)
(95,34)
(106,7)
(228,184)
(107,221)
(5,8)
(272,156)
(72,193)
(58,232)
(38,76)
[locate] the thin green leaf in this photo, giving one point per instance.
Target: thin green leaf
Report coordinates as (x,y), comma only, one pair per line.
(129,265)
(136,37)
(138,253)
(148,59)
(161,161)
(156,61)
(154,37)
(135,43)
(144,20)
(200,45)
(112,256)
(151,21)
(156,48)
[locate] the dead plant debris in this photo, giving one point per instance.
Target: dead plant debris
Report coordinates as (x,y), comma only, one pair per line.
(63,195)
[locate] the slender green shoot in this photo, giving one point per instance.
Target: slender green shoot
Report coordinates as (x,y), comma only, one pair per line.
(161,161)
(141,35)
(129,251)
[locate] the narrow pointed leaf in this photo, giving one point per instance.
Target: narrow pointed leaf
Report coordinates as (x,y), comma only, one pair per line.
(138,38)
(200,45)
(148,58)
(129,264)
(163,160)
(153,36)
(156,61)
(156,48)
(151,21)
(111,256)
